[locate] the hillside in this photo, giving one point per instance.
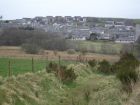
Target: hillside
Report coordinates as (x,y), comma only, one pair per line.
(42,88)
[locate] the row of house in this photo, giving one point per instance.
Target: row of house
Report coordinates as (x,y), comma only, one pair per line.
(80,28)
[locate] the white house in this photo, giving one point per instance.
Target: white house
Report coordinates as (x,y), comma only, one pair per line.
(125,40)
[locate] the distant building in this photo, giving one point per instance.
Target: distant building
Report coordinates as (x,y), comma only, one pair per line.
(119,24)
(109,24)
(125,40)
(50,19)
(137,32)
(68,18)
(78,38)
(78,18)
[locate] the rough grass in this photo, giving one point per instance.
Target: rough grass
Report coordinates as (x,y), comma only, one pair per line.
(96,46)
(42,88)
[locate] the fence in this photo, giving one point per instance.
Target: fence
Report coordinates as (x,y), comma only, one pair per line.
(13,66)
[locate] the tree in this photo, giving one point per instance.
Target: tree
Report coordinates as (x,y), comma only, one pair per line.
(93,36)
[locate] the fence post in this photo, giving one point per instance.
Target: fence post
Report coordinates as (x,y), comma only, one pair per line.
(9,68)
(76,59)
(32,64)
(59,59)
(47,56)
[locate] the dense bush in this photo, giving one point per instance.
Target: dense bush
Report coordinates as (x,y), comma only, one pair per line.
(52,67)
(92,63)
(104,67)
(31,48)
(64,74)
(126,70)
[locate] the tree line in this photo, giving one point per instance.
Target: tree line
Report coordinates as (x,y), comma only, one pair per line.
(33,37)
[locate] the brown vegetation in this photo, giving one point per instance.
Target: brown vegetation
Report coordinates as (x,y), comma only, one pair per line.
(18,53)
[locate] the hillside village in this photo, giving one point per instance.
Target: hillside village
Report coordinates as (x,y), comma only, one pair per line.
(81,28)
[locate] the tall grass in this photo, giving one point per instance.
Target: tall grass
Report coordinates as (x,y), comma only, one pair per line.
(43,88)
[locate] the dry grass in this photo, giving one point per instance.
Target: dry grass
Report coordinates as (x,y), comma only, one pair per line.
(18,53)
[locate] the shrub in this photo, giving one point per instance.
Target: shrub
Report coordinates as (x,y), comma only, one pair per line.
(126,70)
(66,75)
(53,65)
(92,63)
(104,67)
(31,48)
(71,51)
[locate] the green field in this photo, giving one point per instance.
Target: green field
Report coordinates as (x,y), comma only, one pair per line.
(105,47)
(20,66)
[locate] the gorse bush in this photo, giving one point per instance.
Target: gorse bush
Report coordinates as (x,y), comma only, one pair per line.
(126,70)
(52,67)
(92,63)
(64,74)
(104,67)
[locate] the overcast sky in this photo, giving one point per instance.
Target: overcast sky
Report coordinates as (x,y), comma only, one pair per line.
(13,9)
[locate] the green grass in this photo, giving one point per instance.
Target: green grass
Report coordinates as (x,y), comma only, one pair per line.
(97,46)
(20,66)
(41,88)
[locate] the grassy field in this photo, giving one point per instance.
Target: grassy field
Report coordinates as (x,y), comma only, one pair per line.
(20,65)
(22,62)
(100,46)
(42,88)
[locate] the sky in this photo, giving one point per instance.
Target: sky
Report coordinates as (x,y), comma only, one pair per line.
(15,9)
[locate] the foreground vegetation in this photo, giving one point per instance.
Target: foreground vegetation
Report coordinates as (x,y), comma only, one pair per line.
(44,88)
(92,84)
